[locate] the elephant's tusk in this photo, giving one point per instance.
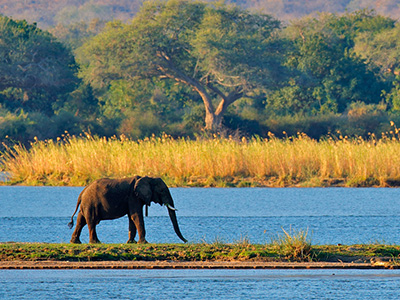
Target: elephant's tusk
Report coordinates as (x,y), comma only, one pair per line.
(170,207)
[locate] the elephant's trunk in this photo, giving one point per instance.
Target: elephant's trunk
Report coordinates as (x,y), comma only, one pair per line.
(169,203)
(174,221)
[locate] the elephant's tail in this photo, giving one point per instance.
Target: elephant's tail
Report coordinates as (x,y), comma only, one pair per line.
(71,224)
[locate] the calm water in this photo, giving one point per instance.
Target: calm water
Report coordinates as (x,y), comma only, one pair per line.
(333,215)
(199,284)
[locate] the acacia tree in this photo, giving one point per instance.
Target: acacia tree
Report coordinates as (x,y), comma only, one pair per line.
(223,53)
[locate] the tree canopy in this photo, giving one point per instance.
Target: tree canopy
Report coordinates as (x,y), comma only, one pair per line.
(182,65)
(330,74)
(50,13)
(34,67)
(222,52)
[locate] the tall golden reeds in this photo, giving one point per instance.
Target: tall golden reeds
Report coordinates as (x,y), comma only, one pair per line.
(218,161)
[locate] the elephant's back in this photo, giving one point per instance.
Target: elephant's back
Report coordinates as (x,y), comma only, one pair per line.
(110,187)
(106,198)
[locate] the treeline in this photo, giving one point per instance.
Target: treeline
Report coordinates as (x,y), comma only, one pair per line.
(65,12)
(182,66)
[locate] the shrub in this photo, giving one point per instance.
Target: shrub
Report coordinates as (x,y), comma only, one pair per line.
(294,245)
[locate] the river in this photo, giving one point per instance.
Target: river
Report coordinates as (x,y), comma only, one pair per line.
(199,284)
(331,216)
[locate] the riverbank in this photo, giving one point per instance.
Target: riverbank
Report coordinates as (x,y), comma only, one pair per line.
(217,182)
(35,265)
(193,256)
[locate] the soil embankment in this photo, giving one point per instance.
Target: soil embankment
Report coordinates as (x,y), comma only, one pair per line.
(191,265)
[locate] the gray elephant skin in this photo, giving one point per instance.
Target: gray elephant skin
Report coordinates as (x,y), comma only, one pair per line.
(107,199)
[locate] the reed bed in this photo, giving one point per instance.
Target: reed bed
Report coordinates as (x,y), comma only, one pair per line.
(294,161)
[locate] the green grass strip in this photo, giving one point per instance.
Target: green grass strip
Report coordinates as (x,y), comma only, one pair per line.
(191,252)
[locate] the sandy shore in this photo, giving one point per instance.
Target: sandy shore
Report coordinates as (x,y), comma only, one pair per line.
(190,265)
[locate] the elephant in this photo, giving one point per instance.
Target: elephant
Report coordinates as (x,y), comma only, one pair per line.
(107,199)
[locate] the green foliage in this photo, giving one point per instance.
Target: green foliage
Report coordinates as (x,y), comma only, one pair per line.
(350,25)
(393,97)
(123,97)
(142,108)
(139,124)
(221,52)
(80,102)
(293,99)
(35,70)
(180,66)
(236,47)
(14,126)
(359,120)
(329,75)
(106,46)
(381,50)
(24,127)
(313,126)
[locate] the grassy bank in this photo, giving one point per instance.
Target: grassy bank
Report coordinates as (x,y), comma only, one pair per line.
(299,161)
(192,252)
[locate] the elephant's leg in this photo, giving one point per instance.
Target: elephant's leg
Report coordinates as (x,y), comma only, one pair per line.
(80,223)
(132,231)
(137,219)
(93,239)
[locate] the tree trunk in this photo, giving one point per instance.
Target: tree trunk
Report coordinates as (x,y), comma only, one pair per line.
(213,121)
(213,118)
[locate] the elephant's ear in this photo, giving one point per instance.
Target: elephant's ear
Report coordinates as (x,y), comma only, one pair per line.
(143,189)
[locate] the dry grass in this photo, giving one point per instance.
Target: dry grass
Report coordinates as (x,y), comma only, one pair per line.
(297,161)
(294,245)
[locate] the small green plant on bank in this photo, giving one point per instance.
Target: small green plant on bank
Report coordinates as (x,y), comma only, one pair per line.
(294,245)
